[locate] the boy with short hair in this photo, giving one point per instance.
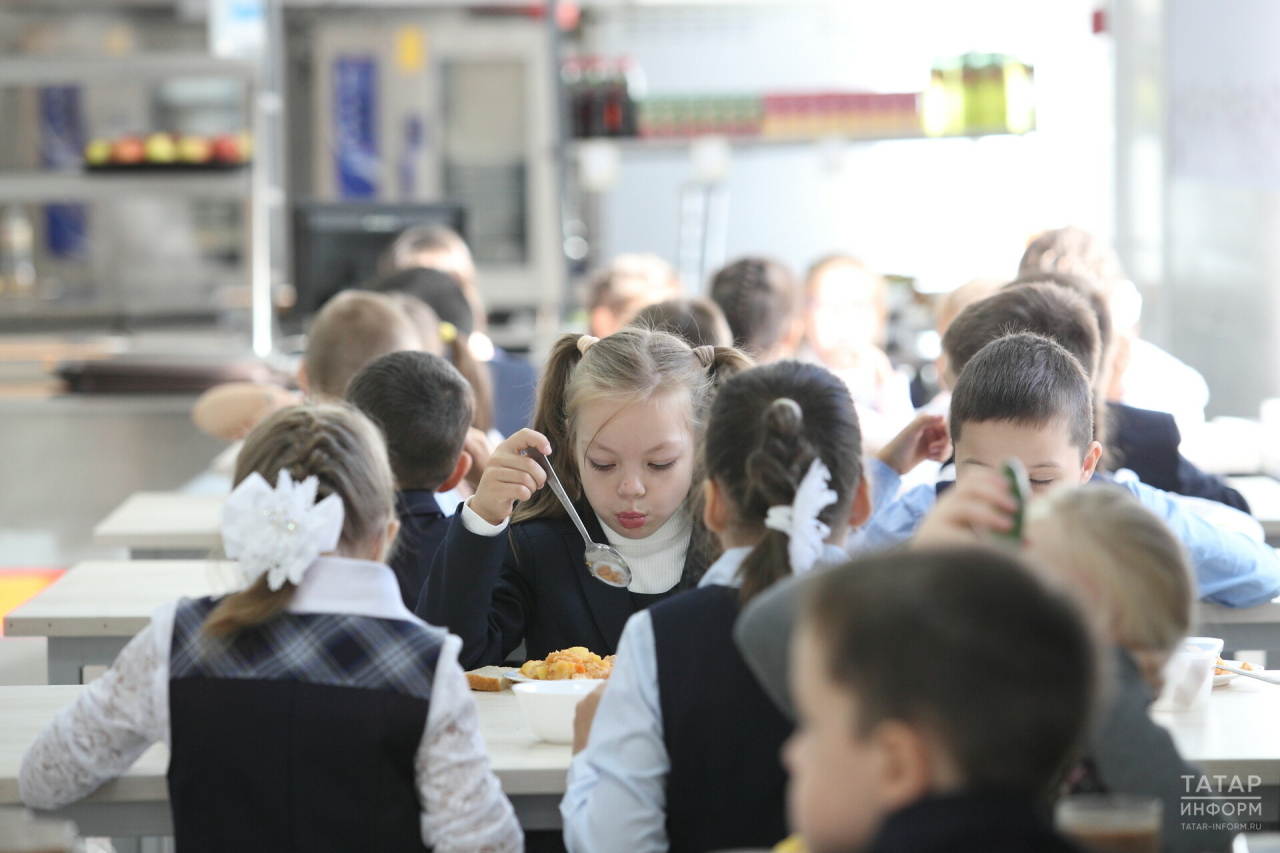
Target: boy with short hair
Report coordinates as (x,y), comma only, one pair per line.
(423,406)
(1025,396)
(958,760)
(351,330)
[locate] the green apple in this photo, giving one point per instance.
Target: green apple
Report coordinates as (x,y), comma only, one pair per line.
(98,152)
(160,148)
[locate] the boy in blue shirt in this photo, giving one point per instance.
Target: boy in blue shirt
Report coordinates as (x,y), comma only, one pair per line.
(1025,396)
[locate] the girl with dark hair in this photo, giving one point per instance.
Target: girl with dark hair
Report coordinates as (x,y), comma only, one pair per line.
(684,754)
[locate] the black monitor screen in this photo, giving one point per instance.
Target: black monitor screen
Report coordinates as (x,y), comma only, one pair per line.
(338,245)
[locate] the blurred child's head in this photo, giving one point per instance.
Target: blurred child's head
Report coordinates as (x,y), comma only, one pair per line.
(1124,563)
(767,426)
(1073,250)
(1042,309)
(439,248)
(844,304)
(699,321)
(950,304)
(623,415)
(423,406)
(1025,396)
(760,299)
(423,319)
(1004,703)
(443,295)
(351,330)
(630,282)
(345,452)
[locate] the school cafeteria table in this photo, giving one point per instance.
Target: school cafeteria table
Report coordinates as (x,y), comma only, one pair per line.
(532,773)
(1255,627)
(1236,734)
(164,525)
(93,610)
(1263,494)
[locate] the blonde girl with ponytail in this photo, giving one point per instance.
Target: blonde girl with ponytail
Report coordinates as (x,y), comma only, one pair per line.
(310,710)
(620,419)
(686,745)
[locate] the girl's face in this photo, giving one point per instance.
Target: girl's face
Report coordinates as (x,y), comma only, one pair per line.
(635,461)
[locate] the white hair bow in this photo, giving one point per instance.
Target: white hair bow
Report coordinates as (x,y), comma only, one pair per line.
(800,520)
(279,532)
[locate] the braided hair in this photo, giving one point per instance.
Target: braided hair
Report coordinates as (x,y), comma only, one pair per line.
(345,452)
(766,427)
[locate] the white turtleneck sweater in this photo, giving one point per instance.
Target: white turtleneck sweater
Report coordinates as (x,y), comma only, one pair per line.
(656,561)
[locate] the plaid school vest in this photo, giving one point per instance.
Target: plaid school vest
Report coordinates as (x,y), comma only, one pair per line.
(299,734)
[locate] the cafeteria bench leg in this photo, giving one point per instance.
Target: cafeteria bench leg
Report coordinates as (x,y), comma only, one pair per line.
(69,655)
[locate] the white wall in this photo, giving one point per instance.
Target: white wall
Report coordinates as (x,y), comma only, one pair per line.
(941,210)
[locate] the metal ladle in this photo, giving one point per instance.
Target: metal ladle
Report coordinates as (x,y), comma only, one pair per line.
(603,561)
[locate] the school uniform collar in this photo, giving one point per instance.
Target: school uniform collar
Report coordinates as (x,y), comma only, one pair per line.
(724,571)
(417,502)
(355,587)
(961,823)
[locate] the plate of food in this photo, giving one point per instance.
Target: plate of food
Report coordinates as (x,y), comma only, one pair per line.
(577,663)
(1221,676)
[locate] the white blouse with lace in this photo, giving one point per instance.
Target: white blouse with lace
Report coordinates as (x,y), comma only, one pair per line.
(116,718)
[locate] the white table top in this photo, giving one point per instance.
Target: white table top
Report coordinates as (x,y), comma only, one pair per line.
(115,598)
(163,520)
(524,765)
(1263,494)
(1207,613)
(1234,733)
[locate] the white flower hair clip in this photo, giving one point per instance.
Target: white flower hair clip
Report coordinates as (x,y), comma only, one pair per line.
(800,520)
(279,532)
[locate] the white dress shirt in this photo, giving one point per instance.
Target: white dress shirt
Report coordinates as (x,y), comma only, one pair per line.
(116,718)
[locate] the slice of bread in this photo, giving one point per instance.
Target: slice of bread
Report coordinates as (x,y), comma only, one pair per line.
(490,679)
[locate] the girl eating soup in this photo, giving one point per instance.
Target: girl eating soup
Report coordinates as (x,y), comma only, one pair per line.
(619,419)
(683,753)
(310,711)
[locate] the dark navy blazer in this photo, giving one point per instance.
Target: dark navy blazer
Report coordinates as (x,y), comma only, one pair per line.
(529,583)
(422,529)
(1146,442)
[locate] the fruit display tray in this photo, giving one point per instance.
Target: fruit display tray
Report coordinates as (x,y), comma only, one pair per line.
(161,168)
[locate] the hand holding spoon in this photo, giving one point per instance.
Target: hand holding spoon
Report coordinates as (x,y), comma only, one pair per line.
(603,561)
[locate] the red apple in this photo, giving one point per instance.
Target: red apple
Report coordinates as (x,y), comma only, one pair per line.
(98,152)
(227,149)
(194,149)
(160,148)
(128,150)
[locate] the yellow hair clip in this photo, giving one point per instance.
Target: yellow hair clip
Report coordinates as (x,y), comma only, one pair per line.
(448,332)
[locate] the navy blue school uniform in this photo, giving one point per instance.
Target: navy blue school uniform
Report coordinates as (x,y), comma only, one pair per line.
(969,823)
(423,526)
(1146,442)
(531,584)
(726,788)
(514,383)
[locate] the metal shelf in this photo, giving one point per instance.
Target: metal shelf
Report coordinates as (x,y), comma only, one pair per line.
(25,70)
(44,187)
(682,143)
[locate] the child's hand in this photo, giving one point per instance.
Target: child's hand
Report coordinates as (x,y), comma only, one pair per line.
(982,503)
(924,438)
(583,715)
(510,476)
(479,447)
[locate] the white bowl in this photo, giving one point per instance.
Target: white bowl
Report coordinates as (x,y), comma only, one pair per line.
(548,706)
(1188,674)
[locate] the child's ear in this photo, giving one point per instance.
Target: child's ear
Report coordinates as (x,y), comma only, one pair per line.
(1091,457)
(715,510)
(301,378)
(906,764)
(861,504)
(460,470)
